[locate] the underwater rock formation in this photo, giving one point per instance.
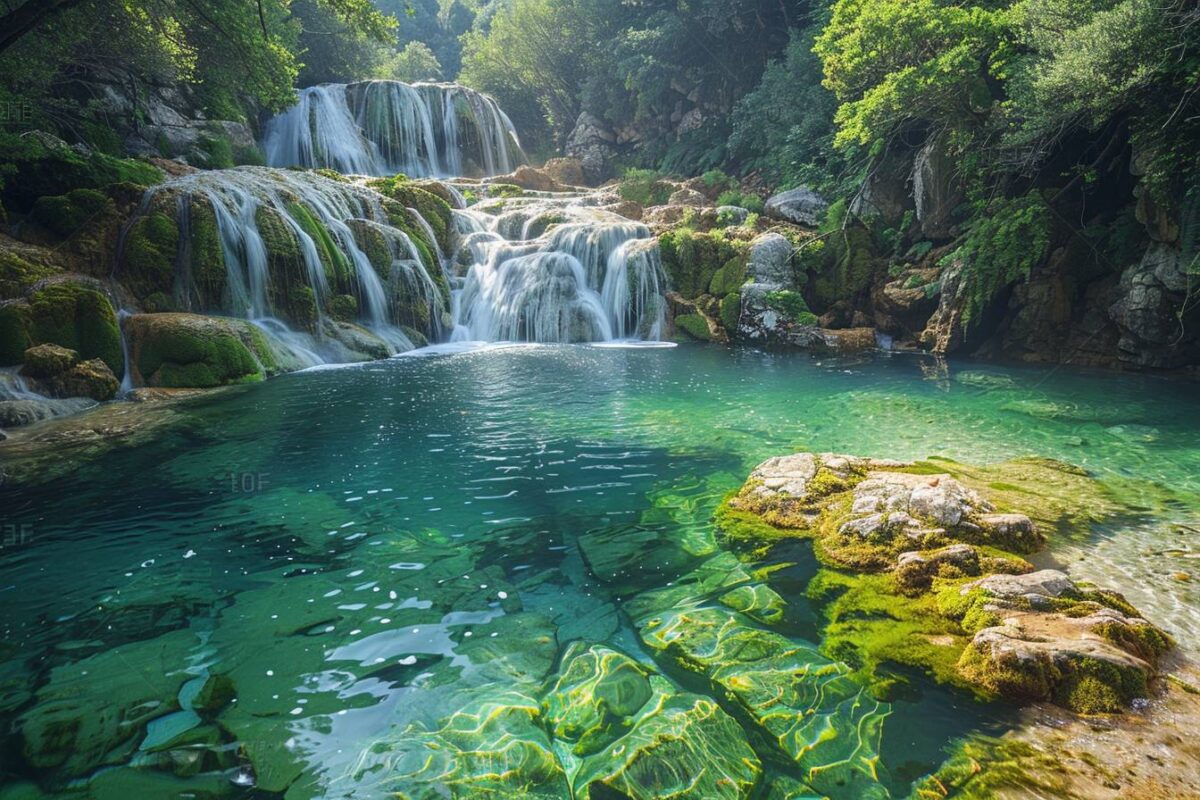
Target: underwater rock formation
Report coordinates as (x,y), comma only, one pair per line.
(931,541)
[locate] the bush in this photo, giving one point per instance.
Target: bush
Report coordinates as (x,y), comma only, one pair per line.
(750,202)
(644,186)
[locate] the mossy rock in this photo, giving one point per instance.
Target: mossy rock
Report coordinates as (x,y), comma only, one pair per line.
(18,274)
(39,165)
(76,316)
(596,694)
(693,260)
(148,259)
(16,322)
(188,350)
(433,209)
(731,312)
(343,307)
(48,360)
(693,326)
(64,214)
(209,276)
(339,271)
(847,267)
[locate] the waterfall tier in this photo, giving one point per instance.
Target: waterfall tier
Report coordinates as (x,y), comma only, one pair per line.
(555,270)
(389,127)
(327,269)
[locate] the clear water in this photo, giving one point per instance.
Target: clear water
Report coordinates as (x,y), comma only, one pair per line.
(362,547)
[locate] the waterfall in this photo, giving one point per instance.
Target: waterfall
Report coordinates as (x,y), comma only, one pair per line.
(299,252)
(587,276)
(386,127)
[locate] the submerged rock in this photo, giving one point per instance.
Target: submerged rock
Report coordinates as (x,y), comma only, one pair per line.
(1034,634)
(60,373)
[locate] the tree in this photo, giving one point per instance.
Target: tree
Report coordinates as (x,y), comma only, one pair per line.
(416,62)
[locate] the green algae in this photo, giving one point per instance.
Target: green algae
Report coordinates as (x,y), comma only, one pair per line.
(984,767)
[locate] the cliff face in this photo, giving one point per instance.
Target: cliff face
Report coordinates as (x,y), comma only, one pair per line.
(1109,276)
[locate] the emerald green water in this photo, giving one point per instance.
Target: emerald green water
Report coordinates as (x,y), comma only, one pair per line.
(365,551)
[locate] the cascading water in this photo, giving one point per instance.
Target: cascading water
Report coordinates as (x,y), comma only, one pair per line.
(586,276)
(294,248)
(385,127)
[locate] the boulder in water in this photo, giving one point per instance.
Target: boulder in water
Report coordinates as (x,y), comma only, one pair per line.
(194,351)
(801,205)
(59,373)
(528,177)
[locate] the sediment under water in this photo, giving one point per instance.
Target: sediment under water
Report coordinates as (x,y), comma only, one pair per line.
(358,547)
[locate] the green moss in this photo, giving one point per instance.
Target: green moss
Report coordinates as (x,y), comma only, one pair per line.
(694,326)
(432,208)
(31,168)
(15,336)
(148,261)
(175,355)
(645,187)
(983,768)
(291,294)
(218,152)
(730,277)
(846,266)
(343,307)
(338,270)
(504,190)
(207,256)
(731,311)
(66,213)
(790,304)
(746,533)
(18,275)
(692,261)
(79,318)
(870,624)
(1092,686)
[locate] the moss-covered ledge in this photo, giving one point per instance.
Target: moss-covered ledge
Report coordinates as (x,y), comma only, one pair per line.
(924,566)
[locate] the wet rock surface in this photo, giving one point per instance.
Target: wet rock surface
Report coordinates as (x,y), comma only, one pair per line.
(1033,634)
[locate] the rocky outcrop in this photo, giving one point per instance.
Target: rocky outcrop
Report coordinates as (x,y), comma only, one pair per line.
(59,372)
(176,350)
(1021,633)
(936,189)
(801,205)
(771,260)
(567,171)
(527,177)
(595,146)
(1150,295)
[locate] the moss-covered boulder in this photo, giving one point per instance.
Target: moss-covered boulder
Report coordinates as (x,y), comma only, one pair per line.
(189,350)
(19,272)
(703,263)
(58,372)
(75,314)
(48,360)
(432,208)
(66,213)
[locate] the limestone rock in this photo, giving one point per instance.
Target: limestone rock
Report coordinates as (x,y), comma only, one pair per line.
(801,205)
(528,177)
(915,570)
(189,350)
(770,260)
(688,197)
(936,189)
(685,747)
(48,360)
(595,146)
(567,171)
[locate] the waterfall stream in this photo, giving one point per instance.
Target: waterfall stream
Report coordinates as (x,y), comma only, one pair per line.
(385,127)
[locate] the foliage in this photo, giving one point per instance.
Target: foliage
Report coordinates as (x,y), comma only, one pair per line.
(1007,239)
(416,62)
(750,202)
(644,186)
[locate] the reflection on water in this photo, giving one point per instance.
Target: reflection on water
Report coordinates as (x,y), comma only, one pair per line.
(353,582)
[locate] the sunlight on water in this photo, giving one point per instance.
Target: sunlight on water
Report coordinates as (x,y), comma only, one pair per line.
(339,582)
